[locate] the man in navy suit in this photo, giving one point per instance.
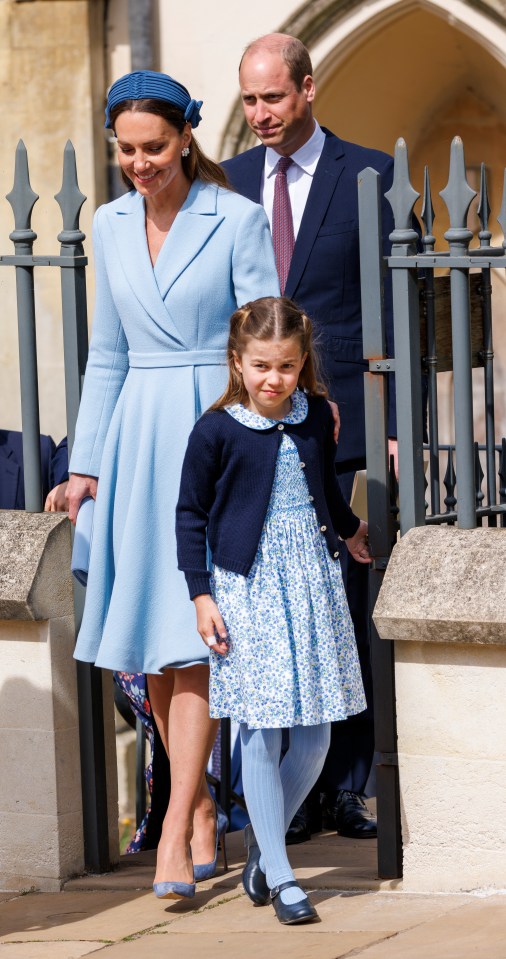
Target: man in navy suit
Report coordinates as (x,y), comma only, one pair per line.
(53,469)
(278,91)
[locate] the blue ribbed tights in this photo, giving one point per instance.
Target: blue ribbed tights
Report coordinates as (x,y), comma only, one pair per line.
(274,792)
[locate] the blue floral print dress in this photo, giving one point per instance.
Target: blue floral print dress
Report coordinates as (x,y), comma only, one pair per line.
(292,656)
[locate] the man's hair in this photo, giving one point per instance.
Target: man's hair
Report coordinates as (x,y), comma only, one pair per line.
(292,51)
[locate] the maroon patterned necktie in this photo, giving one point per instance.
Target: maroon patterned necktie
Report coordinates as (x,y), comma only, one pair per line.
(282,223)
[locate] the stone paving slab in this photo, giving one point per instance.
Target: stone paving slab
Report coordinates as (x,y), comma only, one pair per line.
(107,916)
(117,916)
(475,931)
(288,943)
(328,861)
(381,913)
(49,950)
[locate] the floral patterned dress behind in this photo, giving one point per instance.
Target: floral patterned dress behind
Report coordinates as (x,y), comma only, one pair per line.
(292,656)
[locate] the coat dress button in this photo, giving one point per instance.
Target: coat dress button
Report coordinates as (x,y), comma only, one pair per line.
(280,426)
(323,529)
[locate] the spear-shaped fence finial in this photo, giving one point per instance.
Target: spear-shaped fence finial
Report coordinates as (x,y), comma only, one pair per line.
(485,234)
(70,200)
(22,200)
(458,196)
(402,198)
(502,215)
(429,239)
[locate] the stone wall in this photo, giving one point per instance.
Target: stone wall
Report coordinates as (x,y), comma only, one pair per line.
(51,90)
(40,776)
(442,602)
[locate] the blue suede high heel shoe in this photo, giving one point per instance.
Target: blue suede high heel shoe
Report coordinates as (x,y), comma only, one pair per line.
(208,870)
(174,890)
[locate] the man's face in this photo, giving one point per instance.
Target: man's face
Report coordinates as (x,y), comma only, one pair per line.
(279,114)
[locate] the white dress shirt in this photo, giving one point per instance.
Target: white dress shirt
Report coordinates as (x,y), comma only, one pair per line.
(299,176)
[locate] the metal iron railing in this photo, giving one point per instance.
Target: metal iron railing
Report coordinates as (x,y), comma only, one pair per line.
(440,323)
(72,262)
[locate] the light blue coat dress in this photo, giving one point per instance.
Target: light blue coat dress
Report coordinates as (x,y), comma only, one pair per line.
(157,360)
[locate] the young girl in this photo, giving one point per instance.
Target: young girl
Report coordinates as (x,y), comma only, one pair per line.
(259,489)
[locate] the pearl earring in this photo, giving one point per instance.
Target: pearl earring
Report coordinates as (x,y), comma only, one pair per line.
(185,152)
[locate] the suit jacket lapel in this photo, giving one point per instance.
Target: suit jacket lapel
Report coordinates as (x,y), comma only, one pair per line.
(250,182)
(328,171)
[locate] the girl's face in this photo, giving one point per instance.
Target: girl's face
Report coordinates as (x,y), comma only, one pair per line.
(149,152)
(270,371)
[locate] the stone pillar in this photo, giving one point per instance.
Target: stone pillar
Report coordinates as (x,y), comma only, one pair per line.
(443,603)
(40,778)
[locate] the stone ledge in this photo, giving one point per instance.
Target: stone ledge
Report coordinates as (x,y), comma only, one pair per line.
(35,578)
(445,585)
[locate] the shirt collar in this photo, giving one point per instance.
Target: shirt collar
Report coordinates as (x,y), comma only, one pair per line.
(306,157)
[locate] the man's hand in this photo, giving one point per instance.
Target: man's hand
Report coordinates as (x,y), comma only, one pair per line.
(337,419)
(393,450)
(358,545)
(78,487)
(56,500)
(209,622)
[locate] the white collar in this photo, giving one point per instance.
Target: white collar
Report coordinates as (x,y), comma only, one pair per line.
(306,157)
(255,421)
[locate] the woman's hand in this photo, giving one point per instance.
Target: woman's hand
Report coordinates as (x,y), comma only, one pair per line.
(209,622)
(78,487)
(56,499)
(358,545)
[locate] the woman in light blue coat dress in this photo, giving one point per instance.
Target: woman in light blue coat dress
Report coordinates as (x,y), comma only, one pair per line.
(174,257)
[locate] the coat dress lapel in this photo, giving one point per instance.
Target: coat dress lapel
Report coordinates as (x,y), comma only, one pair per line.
(328,171)
(194,224)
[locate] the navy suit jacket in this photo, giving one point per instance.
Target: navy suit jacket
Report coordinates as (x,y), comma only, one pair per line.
(324,277)
(12,488)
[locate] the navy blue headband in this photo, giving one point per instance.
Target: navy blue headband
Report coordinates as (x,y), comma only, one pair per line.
(149,85)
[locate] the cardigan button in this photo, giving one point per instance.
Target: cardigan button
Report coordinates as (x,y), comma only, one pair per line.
(302,465)
(336,555)
(280,426)
(323,529)
(311,499)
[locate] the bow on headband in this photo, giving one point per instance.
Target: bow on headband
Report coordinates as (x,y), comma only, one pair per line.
(149,85)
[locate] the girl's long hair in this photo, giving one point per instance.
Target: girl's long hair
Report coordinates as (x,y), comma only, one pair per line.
(196,164)
(270,318)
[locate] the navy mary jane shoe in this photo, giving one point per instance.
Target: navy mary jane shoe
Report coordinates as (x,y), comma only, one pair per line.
(253,879)
(294,912)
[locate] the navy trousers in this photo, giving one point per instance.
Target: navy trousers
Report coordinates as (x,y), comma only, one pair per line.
(351,751)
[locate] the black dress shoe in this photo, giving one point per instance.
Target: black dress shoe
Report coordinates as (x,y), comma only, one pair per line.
(349,815)
(291,913)
(298,830)
(253,879)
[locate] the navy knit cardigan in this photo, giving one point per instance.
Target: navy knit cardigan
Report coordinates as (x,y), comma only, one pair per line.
(226,484)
